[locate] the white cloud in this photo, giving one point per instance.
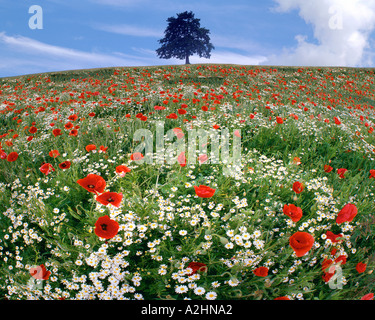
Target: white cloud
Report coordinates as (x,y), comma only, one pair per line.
(228,57)
(341,28)
(22,55)
(129,30)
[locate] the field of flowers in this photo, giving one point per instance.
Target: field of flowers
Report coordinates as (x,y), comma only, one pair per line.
(84,216)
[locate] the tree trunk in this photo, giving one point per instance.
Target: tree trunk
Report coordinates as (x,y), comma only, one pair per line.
(187,59)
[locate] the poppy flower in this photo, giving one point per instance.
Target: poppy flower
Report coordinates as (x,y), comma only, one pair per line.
(337,121)
(282,298)
(181,111)
(327,168)
(261,272)
(178,132)
(341,259)
(182,159)
(46,168)
(347,213)
(369,296)
(333,237)
(103,149)
(122,170)
(92,183)
(295,213)
(361,267)
(33,130)
(3,155)
(297,161)
(90,147)
(136,156)
(68,126)
(341,172)
(202,158)
(204,191)
(106,228)
(54,153)
(56,132)
(301,243)
(12,156)
(197,266)
(40,272)
(65,165)
(73,132)
(279,120)
(372,173)
(297,187)
(73,117)
(112,198)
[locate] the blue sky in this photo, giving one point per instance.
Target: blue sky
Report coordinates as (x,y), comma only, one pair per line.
(103,33)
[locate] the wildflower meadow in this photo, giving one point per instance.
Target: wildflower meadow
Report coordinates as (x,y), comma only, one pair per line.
(213,182)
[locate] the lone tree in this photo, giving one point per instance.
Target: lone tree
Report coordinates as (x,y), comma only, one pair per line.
(184,37)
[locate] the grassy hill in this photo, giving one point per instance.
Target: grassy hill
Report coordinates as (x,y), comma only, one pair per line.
(103,197)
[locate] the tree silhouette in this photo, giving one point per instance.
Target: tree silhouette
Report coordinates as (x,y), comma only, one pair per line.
(184,37)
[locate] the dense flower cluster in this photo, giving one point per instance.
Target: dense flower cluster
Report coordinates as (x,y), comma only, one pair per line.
(82,216)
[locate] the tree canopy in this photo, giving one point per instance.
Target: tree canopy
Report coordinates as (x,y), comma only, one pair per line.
(184,37)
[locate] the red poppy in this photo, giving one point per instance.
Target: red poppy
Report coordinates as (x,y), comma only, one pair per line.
(68,126)
(54,153)
(361,267)
(112,198)
(92,183)
(181,111)
(73,132)
(46,168)
(40,272)
(341,172)
(327,168)
(216,126)
(136,156)
(92,114)
(282,298)
(369,296)
(261,271)
(297,187)
(182,159)
(3,154)
(341,259)
(372,173)
(32,130)
(65,165)
(197,266)
(56,132)
(12,156)
(90,147)
(204,191)
(122,170)
(295,213)
(301,243)
(347,213)
(106,228)
(202,158)
(337,121)
(333,237)
(279,120)
(103,149)
(178,132)
(73,117)
(297,161)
